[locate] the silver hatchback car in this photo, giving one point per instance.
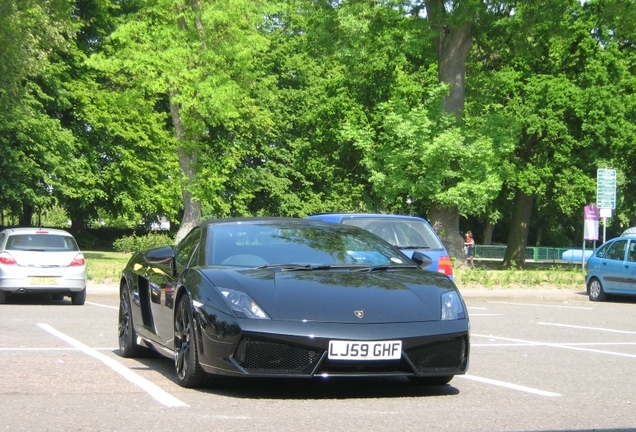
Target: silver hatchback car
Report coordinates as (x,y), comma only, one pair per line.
(41,260)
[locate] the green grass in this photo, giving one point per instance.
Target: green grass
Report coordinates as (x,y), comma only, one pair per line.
(535,275)
(105,267)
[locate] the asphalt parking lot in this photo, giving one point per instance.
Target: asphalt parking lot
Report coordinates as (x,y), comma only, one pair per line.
(540,362)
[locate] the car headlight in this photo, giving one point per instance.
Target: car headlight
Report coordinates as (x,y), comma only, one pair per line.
(243,305)
(452,306)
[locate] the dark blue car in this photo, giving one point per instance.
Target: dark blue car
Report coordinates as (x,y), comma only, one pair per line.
(612,268)
(408,233)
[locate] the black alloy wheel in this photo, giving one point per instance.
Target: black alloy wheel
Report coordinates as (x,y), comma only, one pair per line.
(127,338)
(186,360)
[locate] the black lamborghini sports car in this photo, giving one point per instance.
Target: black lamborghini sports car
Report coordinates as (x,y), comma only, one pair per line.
(278,297)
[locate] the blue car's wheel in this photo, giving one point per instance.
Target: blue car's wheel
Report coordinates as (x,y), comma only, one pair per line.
(595,290)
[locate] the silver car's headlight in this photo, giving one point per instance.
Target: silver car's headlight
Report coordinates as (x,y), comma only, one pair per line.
(243,305)
(452,306)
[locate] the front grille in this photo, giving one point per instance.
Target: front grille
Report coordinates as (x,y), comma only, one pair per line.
(444,356)
(257,355)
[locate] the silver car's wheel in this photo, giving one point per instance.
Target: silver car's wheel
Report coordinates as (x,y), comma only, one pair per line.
(186,358)
(79,297)
(595,290)
(3,297)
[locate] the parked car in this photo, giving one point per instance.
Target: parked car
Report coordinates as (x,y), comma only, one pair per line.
(41,260)
(283,297)
(612,268)
(408,233)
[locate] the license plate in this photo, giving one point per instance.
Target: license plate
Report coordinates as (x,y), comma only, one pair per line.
(356,350)
(39,280)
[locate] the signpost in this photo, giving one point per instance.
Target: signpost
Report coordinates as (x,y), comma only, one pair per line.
(605,194)
(591,216)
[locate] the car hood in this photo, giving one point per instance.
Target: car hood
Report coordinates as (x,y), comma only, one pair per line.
(398,296)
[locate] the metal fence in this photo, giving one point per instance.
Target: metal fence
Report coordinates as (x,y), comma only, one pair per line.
(536,253)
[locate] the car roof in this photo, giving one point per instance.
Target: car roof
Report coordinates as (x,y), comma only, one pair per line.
(36,230)
(366,215)
(250,219)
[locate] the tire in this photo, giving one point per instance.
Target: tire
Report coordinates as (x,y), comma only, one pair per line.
(431,381)
(3,297)
(595,290)
(78,298)
(186,359)
(127,338)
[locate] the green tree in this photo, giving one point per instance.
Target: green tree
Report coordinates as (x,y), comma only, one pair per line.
(198,55)
(35,145)
(558,84)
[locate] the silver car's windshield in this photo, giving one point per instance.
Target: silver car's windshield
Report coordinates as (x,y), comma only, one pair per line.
(41,242)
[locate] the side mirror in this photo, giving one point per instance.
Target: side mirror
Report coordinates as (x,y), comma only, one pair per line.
(162,257)
(422,260)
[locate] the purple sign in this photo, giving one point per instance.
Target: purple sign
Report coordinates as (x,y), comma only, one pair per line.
(592,215)
(592,212)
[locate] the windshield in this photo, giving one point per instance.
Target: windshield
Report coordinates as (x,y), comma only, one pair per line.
(403,233)
(270,243)
(42,242)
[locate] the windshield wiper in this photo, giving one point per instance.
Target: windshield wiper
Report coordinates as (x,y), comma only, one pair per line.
(382,268)
(414,247)
(295,267)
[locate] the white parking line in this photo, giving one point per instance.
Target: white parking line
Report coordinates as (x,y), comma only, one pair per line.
(554,345)
(587,328)
(153,390)
(101,305)
(509,385)
(54,349)
(541,305)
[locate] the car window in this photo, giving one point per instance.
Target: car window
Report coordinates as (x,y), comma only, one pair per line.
(399,232)
(602,251)
(42,242)
(617,250)
(631,256)
(186,249)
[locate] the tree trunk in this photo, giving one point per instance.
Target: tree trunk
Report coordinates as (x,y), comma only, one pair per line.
(27,216)
(187,161)
(445,222)
(452,46)
(489,229)
(519,226)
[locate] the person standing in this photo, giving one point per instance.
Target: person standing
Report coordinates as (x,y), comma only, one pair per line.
(469,248)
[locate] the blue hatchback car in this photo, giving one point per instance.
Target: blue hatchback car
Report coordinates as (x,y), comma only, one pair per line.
(612,268)
(408,233)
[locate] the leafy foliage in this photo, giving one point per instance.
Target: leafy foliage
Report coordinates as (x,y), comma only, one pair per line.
(135,243)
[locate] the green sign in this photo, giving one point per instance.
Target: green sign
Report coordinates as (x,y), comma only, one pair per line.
(606,188)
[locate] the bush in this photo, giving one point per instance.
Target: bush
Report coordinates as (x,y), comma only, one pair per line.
(133,243)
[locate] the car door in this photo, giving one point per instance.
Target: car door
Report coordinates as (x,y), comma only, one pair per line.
(162,288)
(629,276)
(613,267)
